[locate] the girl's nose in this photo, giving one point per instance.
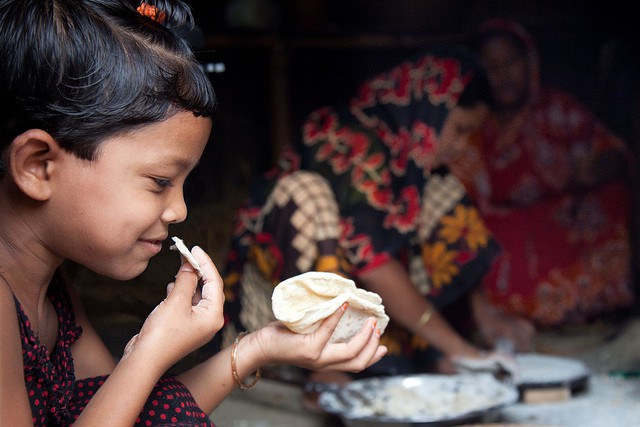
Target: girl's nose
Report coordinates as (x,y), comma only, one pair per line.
(176,211)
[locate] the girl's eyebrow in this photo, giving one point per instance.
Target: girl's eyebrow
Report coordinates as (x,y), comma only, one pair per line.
(178,162)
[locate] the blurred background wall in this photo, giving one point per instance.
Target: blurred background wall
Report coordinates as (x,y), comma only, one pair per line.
(283,58)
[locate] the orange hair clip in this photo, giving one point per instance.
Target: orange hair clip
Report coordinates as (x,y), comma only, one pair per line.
(152,12)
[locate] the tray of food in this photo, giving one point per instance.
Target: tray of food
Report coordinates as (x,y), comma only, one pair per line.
(419,400)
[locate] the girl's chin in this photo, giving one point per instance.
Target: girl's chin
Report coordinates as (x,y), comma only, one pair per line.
(124,274)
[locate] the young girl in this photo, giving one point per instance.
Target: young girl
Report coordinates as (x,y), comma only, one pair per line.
(104,114)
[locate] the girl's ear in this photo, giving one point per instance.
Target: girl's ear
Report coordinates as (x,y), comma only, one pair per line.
(30,156)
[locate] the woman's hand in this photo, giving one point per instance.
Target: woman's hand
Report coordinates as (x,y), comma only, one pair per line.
(186,319)
(275,343)
(494,362)
(495,325)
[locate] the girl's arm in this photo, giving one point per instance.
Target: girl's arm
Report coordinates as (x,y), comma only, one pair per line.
(174,329)
(211,381)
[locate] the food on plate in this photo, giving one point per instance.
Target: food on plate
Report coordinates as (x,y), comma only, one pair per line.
(186,253)
(419,398)
(302,302)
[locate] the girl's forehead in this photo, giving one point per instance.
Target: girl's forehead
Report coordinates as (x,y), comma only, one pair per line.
(177,141)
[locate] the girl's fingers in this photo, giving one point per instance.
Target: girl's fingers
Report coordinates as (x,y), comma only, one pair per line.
(209,271)
(185,284)
(211,280)
(368,356)
(362,351)
(187,281)
(170,287)
(328,325)
(363,345)
(359,350)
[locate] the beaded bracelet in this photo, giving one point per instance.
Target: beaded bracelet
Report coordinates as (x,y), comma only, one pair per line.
(424,319)
(234,369)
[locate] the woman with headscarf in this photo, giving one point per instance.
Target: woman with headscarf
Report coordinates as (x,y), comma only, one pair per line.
(362,195)
(551,183)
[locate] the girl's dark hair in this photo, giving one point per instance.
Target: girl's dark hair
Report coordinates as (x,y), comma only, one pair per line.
(85,70)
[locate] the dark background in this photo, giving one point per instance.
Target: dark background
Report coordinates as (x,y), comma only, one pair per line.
(283,58)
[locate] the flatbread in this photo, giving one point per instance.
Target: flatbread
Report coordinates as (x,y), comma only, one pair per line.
(546,369)
(186,253)
(302,302)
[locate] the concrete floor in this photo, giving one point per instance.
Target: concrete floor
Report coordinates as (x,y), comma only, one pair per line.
(270,403)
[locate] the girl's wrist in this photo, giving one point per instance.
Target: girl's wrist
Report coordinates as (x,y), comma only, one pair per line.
(140,363)
(240,381)
(143,350)
(246,360)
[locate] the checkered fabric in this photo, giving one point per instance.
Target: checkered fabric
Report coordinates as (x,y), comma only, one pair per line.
(316,216)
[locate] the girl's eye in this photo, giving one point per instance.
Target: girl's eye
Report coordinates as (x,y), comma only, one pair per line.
(162,183)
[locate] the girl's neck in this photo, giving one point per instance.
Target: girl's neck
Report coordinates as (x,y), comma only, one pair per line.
(27,276)
(36,305)
(25,262)
(26,265)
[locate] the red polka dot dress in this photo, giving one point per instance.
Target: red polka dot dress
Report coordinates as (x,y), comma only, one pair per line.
(57,398)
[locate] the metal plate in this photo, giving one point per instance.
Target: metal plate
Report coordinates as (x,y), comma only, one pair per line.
(418,400)
(549,371)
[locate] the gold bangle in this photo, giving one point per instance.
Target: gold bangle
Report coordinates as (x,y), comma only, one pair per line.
(424,319)
(234,368)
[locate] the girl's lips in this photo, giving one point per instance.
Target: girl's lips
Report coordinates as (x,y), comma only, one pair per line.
(154,246)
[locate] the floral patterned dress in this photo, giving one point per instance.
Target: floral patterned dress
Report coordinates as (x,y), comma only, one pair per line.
(357,191)
(57,398)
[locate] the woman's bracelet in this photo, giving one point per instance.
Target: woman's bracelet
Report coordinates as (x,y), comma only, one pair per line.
(234,368)
(424,319)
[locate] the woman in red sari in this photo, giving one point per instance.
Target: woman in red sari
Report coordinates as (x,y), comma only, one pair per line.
(551,183)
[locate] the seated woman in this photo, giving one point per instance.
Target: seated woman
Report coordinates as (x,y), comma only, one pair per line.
(362,195)
(550,182)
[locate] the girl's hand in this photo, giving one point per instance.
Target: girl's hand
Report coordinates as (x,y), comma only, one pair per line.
(185,320)
(275,343)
